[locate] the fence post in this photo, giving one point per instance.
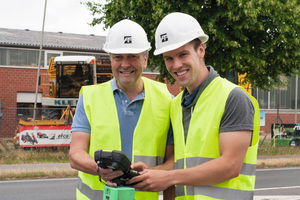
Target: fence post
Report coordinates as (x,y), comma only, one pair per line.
(1,114)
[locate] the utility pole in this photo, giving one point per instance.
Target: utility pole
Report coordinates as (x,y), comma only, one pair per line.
(296,98)
(39,63)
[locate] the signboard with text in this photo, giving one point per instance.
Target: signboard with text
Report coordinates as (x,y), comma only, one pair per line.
(44,136)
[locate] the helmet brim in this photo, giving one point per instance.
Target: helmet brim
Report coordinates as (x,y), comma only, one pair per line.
(172,47)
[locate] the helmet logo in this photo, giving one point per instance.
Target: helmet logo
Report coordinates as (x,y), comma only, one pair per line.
(164,37)
(127,40)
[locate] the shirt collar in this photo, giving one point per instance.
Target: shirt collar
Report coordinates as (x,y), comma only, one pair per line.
(115,88)
(114,85)
(188,99)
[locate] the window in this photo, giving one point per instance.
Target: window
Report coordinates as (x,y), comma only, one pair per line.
(84,54)
(284,97)
(25,105)
(25,110)
(50,54)
(20,57)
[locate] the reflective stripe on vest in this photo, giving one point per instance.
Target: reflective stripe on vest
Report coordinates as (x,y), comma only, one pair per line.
(210,192)
(84,192)
(247,169)
(152,127)
(87,191)
(150,160)
(200,148)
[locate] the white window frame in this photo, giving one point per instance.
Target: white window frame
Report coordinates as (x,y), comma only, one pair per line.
(60,53)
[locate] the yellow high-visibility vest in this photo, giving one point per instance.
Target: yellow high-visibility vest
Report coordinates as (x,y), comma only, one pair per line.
(149,138)
(202,144)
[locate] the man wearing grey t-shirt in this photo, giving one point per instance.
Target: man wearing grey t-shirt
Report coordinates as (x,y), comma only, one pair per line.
(215,122)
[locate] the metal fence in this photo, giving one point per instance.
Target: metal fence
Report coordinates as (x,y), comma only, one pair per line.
(11,117)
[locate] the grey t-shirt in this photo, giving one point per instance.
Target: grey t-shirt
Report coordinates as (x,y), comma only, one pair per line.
(238,113)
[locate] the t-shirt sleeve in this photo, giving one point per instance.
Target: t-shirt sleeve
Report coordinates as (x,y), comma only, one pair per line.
(238,113)
(80,120)
(170,139)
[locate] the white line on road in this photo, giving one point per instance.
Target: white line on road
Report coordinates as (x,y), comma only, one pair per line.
(276,198)
(276,188)
(36,180)
(279,169)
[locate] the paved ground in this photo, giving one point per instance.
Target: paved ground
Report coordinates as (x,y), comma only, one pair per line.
(67,165)
(35,166)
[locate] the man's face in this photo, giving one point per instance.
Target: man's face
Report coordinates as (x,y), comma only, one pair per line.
(185,65)
(128,68)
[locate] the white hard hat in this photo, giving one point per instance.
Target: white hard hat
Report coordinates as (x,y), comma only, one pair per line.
(175,30)
(126,37)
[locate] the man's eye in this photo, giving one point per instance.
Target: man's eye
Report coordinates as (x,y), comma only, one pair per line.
(134,57)
(117,57)
(183,54)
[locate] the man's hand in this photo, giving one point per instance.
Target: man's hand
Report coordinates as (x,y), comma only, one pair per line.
(139,166)
(108,175)
(151,180)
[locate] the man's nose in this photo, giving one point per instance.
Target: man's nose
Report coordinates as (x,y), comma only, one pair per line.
(177,63)
(125,63)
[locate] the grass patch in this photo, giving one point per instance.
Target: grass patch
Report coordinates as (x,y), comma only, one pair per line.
(39,155)
(278,162)
(267,149)
(48,155)
(37,173)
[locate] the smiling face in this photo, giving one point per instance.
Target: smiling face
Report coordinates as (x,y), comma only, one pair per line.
(128,69)
(186,65)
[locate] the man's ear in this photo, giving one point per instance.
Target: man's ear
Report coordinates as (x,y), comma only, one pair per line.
(146,61)
(201,50)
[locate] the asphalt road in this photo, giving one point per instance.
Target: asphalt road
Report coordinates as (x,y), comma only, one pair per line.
(271,184)
(279,182)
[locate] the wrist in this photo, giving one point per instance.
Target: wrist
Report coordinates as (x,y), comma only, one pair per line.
(171,176)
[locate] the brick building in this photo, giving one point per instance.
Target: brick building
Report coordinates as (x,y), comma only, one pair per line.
(19,56)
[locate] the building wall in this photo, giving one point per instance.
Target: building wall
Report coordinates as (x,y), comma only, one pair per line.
(14,80)
(286,118)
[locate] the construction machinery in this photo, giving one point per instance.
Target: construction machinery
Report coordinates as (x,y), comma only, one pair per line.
(67,74)
(236,78)
(285,135)
(61,86)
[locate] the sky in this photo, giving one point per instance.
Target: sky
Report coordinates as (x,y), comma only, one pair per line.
(67,16)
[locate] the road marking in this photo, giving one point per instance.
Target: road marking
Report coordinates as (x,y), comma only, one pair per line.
(36,180)
(279,169)
(276,188)
(276,198)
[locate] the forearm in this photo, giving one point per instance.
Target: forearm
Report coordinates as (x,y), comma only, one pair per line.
(209,173)
(168,165)
(169,159)
(233,148)
(83,162)
(78,154)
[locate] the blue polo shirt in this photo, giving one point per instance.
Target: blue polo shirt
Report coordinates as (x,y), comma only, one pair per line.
(128,114)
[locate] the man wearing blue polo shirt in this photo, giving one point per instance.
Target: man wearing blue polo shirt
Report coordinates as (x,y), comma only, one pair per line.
(129,113)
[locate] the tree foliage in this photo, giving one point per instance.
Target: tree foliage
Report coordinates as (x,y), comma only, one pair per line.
(256,37)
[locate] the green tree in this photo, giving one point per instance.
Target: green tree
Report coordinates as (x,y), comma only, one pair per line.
(256,37)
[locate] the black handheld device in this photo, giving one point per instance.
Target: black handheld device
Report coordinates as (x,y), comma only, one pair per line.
(116,160)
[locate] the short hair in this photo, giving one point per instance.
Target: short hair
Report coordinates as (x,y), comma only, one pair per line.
(145,53)
(196,43)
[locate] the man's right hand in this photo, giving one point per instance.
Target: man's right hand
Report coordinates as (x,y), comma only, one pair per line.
(139,166)
(108,175)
